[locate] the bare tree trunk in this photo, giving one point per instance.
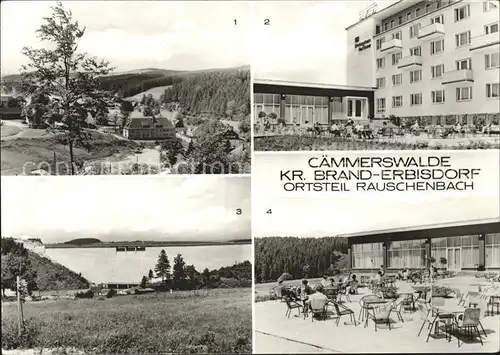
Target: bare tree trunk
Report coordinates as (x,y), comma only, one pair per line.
(71,159)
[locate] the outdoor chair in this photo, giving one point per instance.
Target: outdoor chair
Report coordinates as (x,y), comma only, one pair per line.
(381,314)
(493,302)
(343,291)
(460,297)
(446,319)
(425,316)
(399,307)
(470,323)
(290,305)
(483,308)
(473,298)
(342,310)
(317,308)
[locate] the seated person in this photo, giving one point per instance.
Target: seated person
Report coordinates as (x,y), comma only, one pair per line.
(353,286)
(325,282)
(317,300)
(400,275)
(305,290)
(335,130)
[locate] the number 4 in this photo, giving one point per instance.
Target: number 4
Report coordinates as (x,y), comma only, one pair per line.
(269,211)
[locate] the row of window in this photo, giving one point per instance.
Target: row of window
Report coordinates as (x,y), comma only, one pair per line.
(459,252)
(462,39)
(491,60)
(438,96)
(460,13)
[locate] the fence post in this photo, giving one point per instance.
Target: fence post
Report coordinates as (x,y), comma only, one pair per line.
(19,306)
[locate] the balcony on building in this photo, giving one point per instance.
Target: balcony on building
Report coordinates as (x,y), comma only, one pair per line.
(432,31)
(393,45)
(410,62)
(487,41)
(457,76)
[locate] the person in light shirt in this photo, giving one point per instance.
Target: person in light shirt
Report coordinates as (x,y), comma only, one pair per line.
(325,282)
(317,300)
(335,130)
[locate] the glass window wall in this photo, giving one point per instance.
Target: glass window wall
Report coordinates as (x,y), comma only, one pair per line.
(492,244)
(266,103)
(406,254)
(367,256)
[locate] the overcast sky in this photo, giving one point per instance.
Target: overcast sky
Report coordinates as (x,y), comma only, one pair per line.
(305,41)
(126,208)
(180,35)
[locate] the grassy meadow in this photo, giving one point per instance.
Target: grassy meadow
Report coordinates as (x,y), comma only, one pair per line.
(213,321)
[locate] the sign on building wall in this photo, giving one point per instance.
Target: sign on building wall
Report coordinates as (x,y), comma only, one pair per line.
(361,46)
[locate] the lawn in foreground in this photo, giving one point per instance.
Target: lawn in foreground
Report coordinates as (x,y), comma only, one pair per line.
(215,321)
(313,143)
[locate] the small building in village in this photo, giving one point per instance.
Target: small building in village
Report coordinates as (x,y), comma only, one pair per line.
(155,127)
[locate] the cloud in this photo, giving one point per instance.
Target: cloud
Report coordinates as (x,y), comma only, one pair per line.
(204,33)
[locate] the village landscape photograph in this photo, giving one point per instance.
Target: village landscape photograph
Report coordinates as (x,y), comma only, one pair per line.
(165,93)
(100,271)
(385,75)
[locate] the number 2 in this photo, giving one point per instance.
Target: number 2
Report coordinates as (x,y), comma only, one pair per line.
(267,22)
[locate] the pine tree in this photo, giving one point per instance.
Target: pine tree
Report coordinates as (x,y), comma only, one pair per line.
(144,282)
(150,274)
(162,267)
(179,272)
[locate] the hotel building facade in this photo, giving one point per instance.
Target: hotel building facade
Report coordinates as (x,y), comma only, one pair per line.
(432,61)
(465,246)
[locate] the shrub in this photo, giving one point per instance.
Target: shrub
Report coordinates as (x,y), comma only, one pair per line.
(110,293)
(84,294)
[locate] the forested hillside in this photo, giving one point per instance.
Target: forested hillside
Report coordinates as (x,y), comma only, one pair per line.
(300,257)
(130,84)
(39,272)
(240,271)
(225,93)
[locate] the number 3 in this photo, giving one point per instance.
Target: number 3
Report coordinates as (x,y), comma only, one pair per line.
(238,211)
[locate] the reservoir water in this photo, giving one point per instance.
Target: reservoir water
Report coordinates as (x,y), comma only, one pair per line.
(107,265)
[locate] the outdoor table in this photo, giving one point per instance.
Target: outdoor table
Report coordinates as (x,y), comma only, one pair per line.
(370,303)
(409,296)
(442,310)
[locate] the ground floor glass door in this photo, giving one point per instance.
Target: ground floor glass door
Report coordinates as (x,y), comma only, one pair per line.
(356,108)
(306,115)
(454,258)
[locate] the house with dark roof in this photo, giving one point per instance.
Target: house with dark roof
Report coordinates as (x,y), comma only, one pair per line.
(140,127)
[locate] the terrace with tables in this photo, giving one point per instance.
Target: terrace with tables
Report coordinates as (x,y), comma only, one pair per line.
(456,314)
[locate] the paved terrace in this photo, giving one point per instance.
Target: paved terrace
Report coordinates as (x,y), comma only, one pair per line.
(274,333)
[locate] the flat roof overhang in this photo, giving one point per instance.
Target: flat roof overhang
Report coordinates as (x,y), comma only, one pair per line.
(309,89)
(454,229)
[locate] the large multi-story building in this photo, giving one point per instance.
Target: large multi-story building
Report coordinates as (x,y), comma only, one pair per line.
(437,62)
